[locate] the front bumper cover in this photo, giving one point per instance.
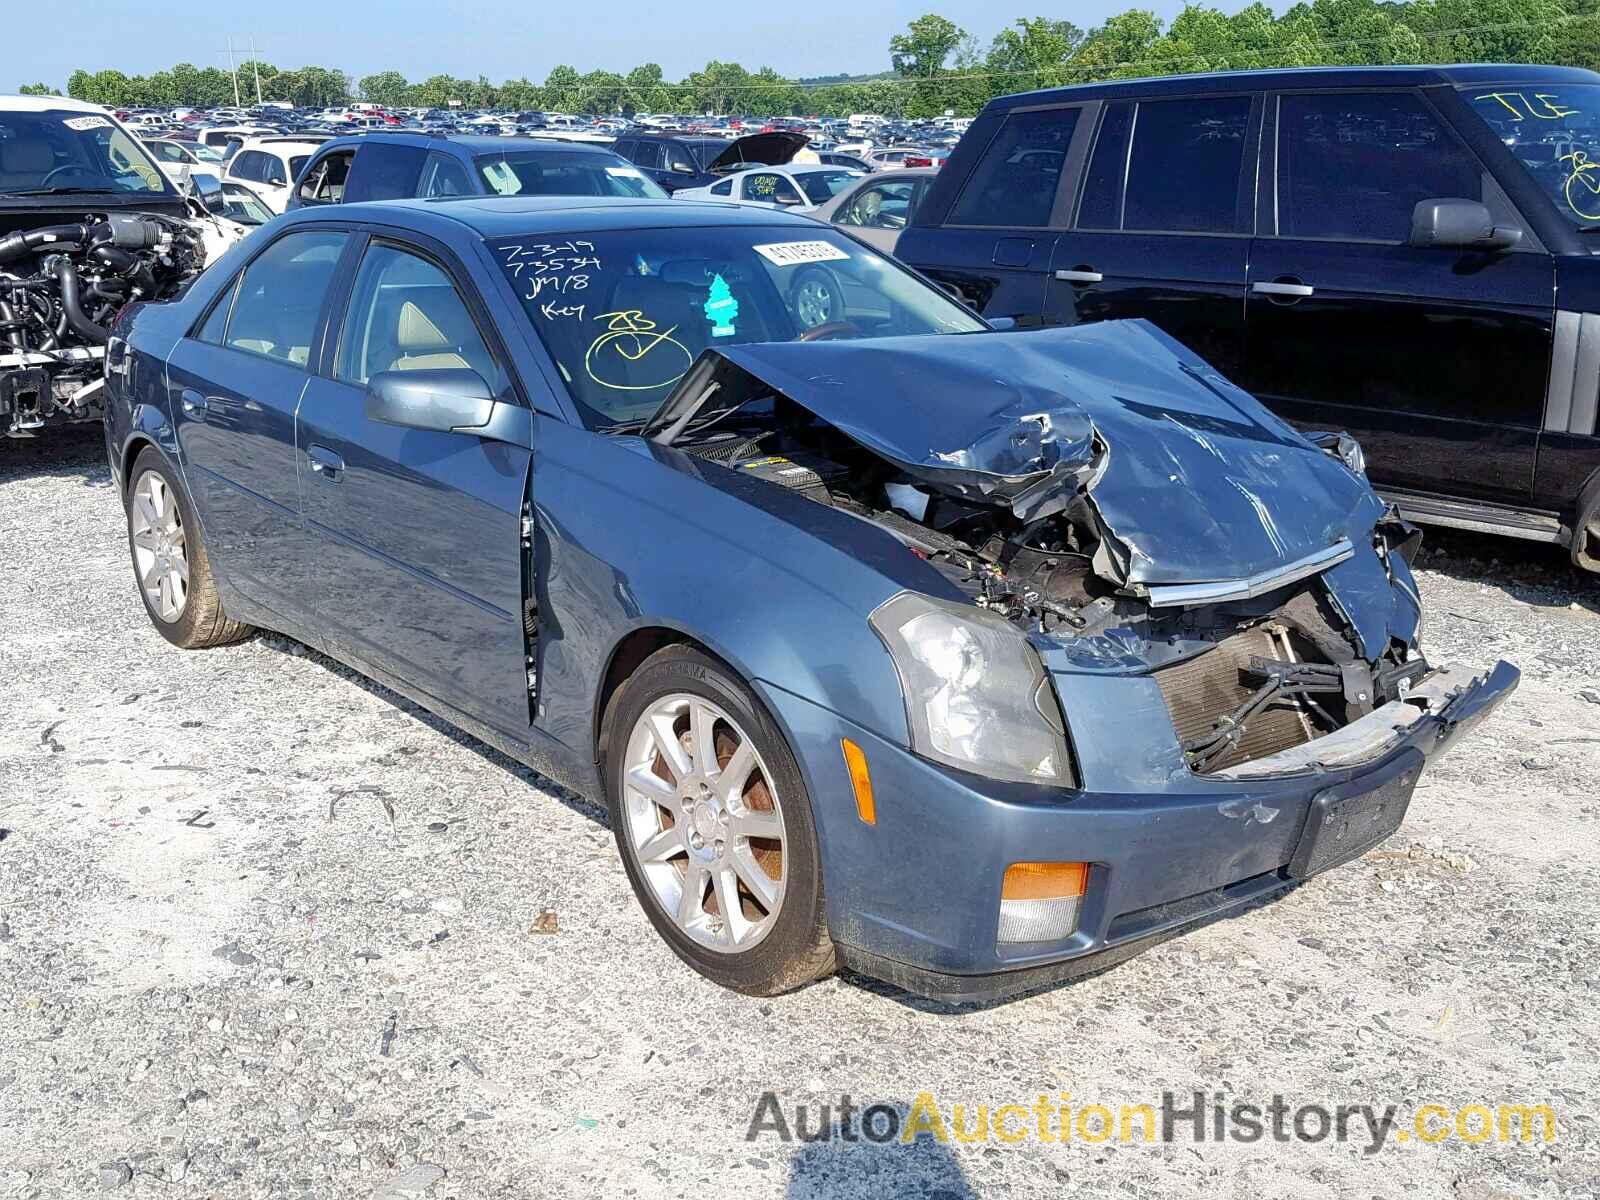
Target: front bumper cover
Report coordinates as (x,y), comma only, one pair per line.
(914,900)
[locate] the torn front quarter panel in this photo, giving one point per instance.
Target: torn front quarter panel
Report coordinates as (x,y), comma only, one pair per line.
(1192,479)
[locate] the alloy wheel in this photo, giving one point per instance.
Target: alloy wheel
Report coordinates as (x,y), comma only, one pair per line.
(704,822)
(160,550)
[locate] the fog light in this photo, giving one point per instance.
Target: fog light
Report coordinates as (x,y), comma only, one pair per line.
(1039,902)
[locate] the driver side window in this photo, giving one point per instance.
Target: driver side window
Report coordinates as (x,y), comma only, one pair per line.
(325,182)
(406,315)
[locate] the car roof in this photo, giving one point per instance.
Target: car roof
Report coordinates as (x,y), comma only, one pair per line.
(48,104)
(473,143)
(512,216)
(1475,74)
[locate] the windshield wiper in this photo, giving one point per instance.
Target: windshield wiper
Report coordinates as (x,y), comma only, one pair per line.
(54,191)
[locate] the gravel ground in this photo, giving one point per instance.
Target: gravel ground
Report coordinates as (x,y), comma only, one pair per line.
(266,929)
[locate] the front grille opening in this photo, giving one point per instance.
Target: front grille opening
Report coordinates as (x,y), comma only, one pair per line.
(1200,692)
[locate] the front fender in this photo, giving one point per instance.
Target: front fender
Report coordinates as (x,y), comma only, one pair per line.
(629,537)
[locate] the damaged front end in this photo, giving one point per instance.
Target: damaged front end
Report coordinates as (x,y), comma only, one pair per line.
(62,282)
(1108,493)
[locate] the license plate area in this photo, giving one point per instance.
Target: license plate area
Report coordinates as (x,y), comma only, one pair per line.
(1345,822)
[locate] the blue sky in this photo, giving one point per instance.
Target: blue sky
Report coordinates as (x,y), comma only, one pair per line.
(499,38)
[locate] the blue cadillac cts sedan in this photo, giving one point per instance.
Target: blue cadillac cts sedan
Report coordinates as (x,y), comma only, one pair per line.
(969,658)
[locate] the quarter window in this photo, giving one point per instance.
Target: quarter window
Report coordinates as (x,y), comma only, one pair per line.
(1354,166)
(281,294)
(1184,167)
(1015,181)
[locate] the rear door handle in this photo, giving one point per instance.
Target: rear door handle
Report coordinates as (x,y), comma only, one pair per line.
(1079,276)
(325,462)
(1297,290)
(194,404)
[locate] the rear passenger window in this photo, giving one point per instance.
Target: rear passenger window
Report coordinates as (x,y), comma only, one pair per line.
(281,294)
(1354,166)
(1183,172)
(1014,184)
(384,172)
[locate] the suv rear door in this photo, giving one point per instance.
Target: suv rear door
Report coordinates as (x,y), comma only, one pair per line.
(1436,359)
(1163,223)
(994,240)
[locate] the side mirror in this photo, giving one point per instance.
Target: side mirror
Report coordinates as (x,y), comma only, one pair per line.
(447,400)
(207,189)
(682,168)
(788,201)
(1459,224)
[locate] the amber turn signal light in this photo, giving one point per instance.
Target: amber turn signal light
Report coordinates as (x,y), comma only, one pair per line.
(1044,881)
(860,781)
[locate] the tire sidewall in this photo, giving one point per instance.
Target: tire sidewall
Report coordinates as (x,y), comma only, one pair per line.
(681,670)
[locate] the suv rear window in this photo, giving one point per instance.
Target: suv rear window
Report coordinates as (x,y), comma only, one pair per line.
(1014,184)
(1183,172)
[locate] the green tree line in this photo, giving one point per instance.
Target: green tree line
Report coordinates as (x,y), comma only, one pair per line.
(935,66)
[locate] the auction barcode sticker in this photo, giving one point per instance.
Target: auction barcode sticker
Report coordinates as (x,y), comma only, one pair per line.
(790,254)
(80,124)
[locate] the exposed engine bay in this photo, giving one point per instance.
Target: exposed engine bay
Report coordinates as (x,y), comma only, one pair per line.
(61,284)
(1249,664)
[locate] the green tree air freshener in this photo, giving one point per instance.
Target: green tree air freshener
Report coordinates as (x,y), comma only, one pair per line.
(721,308)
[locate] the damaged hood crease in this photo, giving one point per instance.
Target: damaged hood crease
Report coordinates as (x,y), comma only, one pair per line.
(1192,479)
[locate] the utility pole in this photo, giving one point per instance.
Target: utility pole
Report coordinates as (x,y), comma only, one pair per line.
(255,65)
(234,68)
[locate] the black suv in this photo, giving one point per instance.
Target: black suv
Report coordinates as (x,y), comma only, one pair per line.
(1400,252)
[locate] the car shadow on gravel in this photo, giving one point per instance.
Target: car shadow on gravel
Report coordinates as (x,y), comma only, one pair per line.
(283,644)
(76,452)
(1534,573)
(844,1164)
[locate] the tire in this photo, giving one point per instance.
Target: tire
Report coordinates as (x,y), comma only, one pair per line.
(156,542)
(784,946)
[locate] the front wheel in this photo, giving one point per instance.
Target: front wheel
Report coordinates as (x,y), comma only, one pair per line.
(170,562)
(714,826)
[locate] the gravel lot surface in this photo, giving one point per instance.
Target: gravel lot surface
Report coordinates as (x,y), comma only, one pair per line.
(266,929)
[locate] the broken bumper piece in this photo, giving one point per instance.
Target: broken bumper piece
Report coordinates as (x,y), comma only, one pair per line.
(914,899)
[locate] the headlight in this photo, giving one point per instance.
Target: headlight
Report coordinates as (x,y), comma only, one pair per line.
(977,696)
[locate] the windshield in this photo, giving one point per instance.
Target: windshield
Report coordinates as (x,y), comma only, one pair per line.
(64,150)
(1554,132)
(565,173)
(242,205)
(624,314)
(705,150)
(820,186)
(206,154)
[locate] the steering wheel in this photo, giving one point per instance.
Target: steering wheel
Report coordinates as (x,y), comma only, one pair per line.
(833,329)
(66,169)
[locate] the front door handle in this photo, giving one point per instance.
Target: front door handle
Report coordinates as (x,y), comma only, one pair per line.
(1079,276)
(1283,287)
(194,404)
(325,462)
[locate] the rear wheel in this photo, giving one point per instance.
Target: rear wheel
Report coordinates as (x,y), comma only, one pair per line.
(714,825)
(170,562)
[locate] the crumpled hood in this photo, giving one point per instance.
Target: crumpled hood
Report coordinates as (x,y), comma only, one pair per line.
(1193,479)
